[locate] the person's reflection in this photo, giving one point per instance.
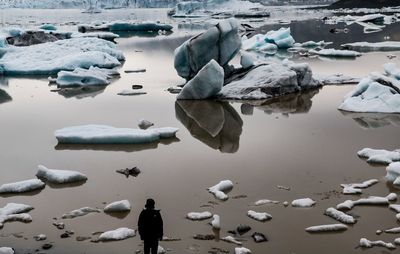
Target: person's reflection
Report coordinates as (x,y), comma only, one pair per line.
(4,96)
(215,123)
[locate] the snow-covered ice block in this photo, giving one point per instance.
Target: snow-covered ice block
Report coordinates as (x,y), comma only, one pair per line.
(130,92)
(327,228)
(356,188)
(80,212)
(373,46)
(340,216)
(379,155)
(40,237)
(117,234)
(393,173)
(207,83)
(93,76)
(365,243)
(220,43)
(52,57)
(219,190)
(15,212)
(103,134)
(259,216)
(231,239)
(6,250)
(199,215)
(216,222)
(303,202)
(246,60)
(118,206)
(60,176)
(265,201)
(242,250)
(336,53)
(336,79)
(372,200)
(22,186)
(282,38)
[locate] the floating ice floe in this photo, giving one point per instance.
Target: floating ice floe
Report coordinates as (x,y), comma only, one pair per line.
(373,46)
(242,250)
(117,234)
(336,79)
(327,228)
(280,39)
(303,202)
(22,186)
(6,250)
(377,93)
(393,173)
(356,188)
(219,190)
(365,243)
(101,35)
(340,216)
(336,53)
(60,176)
(80,212)
(126,26)
(372,200)
(231,239)
(145,124)
(79,77)
(379,155)
(199,216)
(220,43)
(259,216)
(265,201)
(216,222)
(103,134)
(395,230)
(312,44)
(52,57)
(122,206)
(15,212)
(130,92)
(207,83)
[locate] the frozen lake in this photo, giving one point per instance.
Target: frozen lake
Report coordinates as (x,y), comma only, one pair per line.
(301,141)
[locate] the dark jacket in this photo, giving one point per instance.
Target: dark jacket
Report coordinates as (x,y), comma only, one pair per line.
(150,225)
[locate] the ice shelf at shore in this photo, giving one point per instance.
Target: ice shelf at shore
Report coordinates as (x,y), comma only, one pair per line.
(52,57)
(103,134)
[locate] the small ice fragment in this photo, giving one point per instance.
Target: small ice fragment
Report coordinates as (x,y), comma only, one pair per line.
(242,250)
(22,186)
(365,243)
(327,228)
(259,216)
(246,60)
(355,188)
(144,124)
(80,212)
(118,207)
(60,176)
(265,201)
(219,190)
(393,230)
(199,216)
(117,234)
(40,237)
(231,239)
(340,216)
(15,212)
(216,222)
(303,202)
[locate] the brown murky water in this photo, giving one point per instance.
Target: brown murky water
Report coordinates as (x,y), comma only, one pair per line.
(301,141)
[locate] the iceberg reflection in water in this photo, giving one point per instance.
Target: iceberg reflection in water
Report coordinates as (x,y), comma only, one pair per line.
(81,92)
(373,120)
(215,123)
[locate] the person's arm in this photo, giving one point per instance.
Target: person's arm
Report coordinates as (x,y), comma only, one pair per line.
(140,223)
(161,224)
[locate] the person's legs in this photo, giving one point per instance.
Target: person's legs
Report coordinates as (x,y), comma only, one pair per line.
(147,246)
(154,247)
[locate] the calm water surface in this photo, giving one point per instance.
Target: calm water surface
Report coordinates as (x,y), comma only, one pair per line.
(301,141)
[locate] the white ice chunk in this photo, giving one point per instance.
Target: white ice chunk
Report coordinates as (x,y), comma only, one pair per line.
(85,77)
(219,190)
(15,212)
(60,176)
(340,216)
(103,134)
(259,216)
(216,222)
(327,228)
(246,60)
(80,212)
(282,38)
(372,200)
(161,250)
(365,243)
(373,46)
(6,250)
(22,186)
(336,53)
(393,172)
(379,155)
(355,188)
(397,241)
(52,57)
(199,216)
(117,234)
(392,70)
(395,230)
(265,201)
(303,202)
(231,239)
(207,83)
(242,250)
(145,124)
(118,206)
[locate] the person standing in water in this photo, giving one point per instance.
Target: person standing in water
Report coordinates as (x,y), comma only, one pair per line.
(150,226)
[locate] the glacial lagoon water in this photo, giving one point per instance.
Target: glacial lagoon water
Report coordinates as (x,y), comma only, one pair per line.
(300,141)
